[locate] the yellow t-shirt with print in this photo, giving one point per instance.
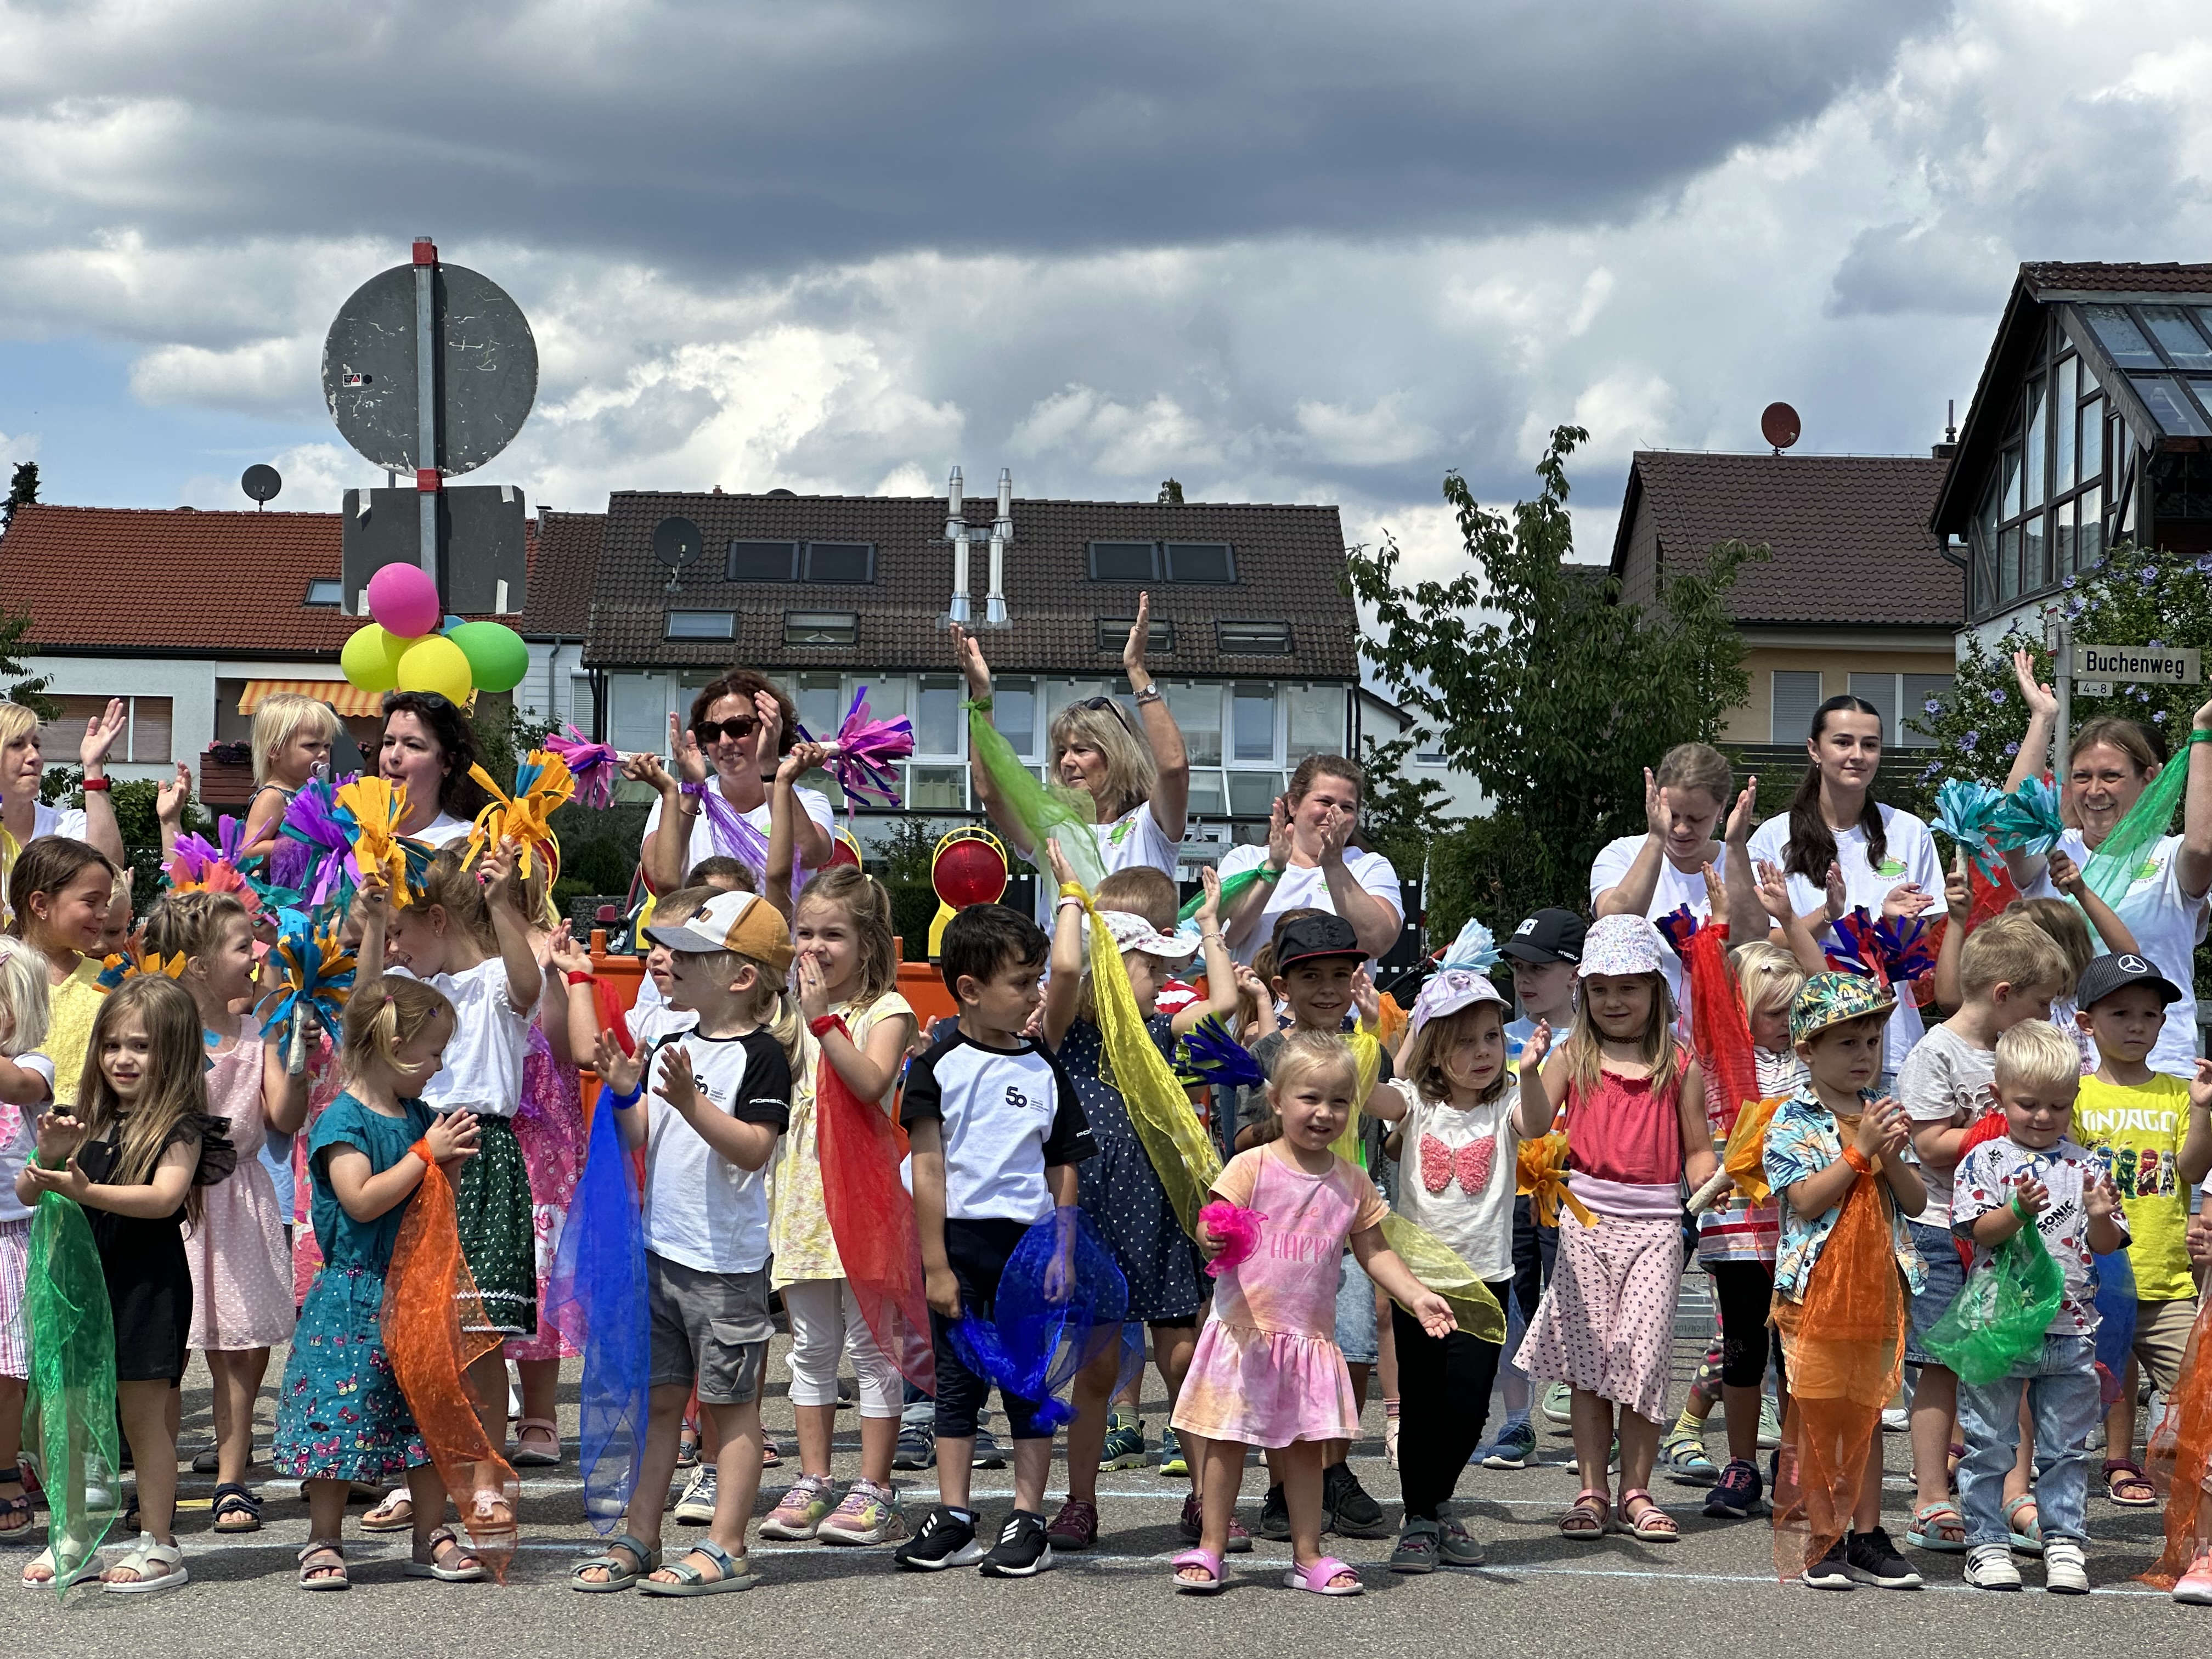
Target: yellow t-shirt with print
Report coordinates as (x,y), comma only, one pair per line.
(74,1004)
(2135,1133)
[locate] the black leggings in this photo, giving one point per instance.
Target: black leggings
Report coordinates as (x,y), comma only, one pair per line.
(1444,1401)
(1745,1291)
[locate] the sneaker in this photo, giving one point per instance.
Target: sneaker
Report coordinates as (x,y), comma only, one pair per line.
(1989,1566)
(1419,1549)
(947,1539)
(1682,1456)
(989,1454)
(1125,1441)
(2193,1587)
(1347,1507)
(1895,1419)
(1075,1527)
(917,1448)
(1275,1517)
(1514,1447)
(696,1508)
(1173,1462)
(1023,1550)
(1459,1547)
(1736,1496)
(2065,1572)
(869,1514)
(802,1511)
(1770,1424)
(1830,1572)
(1559,1405)
(1871,1559)
(1191,1524)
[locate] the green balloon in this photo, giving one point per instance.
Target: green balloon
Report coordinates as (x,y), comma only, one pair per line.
(497,657)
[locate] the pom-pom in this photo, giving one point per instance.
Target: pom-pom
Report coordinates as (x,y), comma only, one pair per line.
(594,766)
(1219,1061)
(2026,820)
(1965,810)
(861,754)
(1474,950)
(1238,1230)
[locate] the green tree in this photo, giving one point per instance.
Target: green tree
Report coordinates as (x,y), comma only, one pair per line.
(1546,689)
(1401,815)
(22,490)
(14,646)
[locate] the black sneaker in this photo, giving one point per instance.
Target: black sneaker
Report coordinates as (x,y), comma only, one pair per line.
(1023,1550)
(1351,1512)
(1735,1495)
(1275,1518)
(1830,1572)
(1871,1559)
(947,1539)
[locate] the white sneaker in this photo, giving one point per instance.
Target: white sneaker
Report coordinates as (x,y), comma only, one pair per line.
(2065,1572)
(1896,1421)
(1989,1566)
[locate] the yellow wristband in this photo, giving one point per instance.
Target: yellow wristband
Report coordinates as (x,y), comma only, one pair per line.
(1072,890)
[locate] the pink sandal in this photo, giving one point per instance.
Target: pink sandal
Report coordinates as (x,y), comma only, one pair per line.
(1652,1525)
(1318,1576)
(1198,1558)
(1585,1519)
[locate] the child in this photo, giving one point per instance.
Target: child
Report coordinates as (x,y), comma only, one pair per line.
(997,1133)
(1459,1152)
(27,1084)
(1267,1371)
(241,1293)
(1837,1025)
(1636,1126)
(847,969)
(721,1098)
(465,933)
(2008,971)
(2149,1131)
(340,1415)
(60,890)
(1119,1189)
(135,1150)
(292,738)
(2036,1174)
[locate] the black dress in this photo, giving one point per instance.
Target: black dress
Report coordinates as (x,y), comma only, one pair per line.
(149,1285)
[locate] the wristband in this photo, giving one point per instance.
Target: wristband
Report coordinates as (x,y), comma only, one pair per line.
(622,1103)
(1858,1160)
(2198,734)
(823,1025)
(97,785)
(1073,889)
(1066,903)
(2025,1215)
(580,979)
(422,1150)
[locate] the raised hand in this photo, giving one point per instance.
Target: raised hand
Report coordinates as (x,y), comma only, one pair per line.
(1208,914)
(2032,1197)
(1278,833)
(769,713)
(968,651)
(1536,1048)
(565,954)
(813,988)
(1839,899)
(679,1084)
(619,1071)
(1715,894)
(2042,702)
(1133,653)
(1773,890)
(170,798)
(648,770)
(803,758)
(2065,874)
(1655,808)
(2102,1198)
(100,735)
(1738,829)
(1337,837)
(684,744)
(1062,872)
(58,1134)
(494,869)
(1367,1000)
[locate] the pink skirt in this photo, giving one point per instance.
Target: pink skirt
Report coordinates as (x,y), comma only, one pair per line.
(14,1268)
(549,1127)
(1265,1388)
(1607,1324)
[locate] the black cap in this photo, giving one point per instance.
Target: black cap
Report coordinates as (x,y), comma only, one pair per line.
(2107,974)
(1548,936)
(1311,938)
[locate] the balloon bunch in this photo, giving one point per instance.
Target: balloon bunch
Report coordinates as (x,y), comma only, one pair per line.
(410,645)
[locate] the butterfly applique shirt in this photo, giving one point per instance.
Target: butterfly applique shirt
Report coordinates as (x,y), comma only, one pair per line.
(1456,1176)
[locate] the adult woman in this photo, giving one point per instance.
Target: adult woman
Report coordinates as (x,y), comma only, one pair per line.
(1308,863)
(1886,858)
(1140,786)
(24,817)
(427,746)
(740,725)
(2109,764)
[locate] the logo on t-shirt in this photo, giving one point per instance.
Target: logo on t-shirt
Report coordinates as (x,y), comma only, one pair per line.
(2149,870)
(1019,1100)
(1120,832)
(1890,867)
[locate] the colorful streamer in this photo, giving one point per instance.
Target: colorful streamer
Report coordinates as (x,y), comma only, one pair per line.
(862,754)
(2180,1460)
(2116,1321)
(1044,811)
(1889,952)
(2000,1314)
(1232,888)
(316,845)
(1440,1268)
(542,785)
(733,836)
(1061,1302)
(1541,1167)
(2111,869)
(69,1415)
(114,971)
(596,766)
(2027,820)
(316,974)
(1218,1060)
(1965,809)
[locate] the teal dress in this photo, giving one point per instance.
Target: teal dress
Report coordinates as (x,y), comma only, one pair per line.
(340,1415)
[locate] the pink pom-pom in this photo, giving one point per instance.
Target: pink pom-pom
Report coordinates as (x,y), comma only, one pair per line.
(1238,1230)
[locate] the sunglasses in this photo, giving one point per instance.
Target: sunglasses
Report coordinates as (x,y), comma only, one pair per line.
(736,730)
(1095,704)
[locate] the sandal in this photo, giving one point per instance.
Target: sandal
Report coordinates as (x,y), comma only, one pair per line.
(621,1574)
(43,1561)
(732,1573)
(1206,1562)
(2140,1494)
(394,1512)
(1585,1519)
(1320,1577)
(2027,1540)
(1650,1524)
(153,1566)
(236,1510)
(14,1512)
(1934,1526)
(322,1565)
(542,1453)
(490,1515)
(441,1566)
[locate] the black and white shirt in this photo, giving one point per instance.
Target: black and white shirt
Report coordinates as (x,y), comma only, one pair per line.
(700,1209)
(1008,1115)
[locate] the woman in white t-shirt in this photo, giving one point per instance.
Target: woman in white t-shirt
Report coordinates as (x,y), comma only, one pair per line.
(1138,780)
(1310,863)
(2109,764)
(716,803)
(1885,859)
(429,747)
(25,818)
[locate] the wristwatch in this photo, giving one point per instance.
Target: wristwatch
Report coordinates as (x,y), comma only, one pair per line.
(1149,694)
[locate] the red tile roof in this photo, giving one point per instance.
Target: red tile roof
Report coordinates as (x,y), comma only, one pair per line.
(2048,277)
(1849,534)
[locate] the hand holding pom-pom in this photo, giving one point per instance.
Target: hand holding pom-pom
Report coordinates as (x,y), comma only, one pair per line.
(1234,1229)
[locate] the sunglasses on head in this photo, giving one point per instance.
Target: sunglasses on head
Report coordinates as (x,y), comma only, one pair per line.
(736,730)
(1097,704)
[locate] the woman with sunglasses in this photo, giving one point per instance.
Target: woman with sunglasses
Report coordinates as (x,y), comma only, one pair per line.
(429,747)
(741,724)
(1140,783)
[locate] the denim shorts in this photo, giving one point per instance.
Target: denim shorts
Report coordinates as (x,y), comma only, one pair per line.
(1947,1275)
(1355,1332)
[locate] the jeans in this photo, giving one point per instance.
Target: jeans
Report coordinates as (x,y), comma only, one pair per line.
(2064,1403)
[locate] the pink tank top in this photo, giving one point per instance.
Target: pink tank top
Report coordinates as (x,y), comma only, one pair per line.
(1625,1131)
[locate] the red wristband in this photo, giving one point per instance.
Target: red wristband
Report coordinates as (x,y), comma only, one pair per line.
(97,785)
(422,1150)
(825,1025)
(582,979)
(1858,1160)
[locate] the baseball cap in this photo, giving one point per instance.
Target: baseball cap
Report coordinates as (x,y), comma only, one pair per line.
(1133,932)
(744,922)
(1311,938)
(1548,936)
(2117,972)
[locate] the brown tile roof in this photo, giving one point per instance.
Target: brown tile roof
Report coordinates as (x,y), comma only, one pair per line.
(1849,534)
(2048,277)
(1288,561)
(564,561)
(181,582)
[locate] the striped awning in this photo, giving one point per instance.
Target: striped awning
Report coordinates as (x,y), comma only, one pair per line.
(342,695)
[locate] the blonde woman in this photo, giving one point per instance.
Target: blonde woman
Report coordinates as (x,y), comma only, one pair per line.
(24,817)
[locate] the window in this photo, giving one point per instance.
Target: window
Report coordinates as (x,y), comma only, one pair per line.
(2171,405)
(1428,748)
(329,591)
(764,561)
(821,702)
(1252,794)
(1197,711)
(841,561)
(1213,563)
(938,719)
(1903,700)
(1316,722)
(1200,562)
(937,788)
(637,712)
(2171,327)
(1252,639)
(1796,696)
(793,562)
(1114,635)
(1206,800)
(1013,711)
(821,627)
(1123,562)
(583,702)
(1254,722)
(702,624)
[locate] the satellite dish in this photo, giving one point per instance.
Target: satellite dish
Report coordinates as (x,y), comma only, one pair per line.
(1778,425)
(261,481)
(676,542)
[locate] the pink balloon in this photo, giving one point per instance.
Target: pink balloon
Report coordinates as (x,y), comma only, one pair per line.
(404,600)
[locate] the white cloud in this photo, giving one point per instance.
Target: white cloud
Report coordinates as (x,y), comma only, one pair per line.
(23,446)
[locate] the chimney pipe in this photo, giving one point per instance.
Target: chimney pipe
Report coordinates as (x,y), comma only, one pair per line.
(1002,532)
(955,532)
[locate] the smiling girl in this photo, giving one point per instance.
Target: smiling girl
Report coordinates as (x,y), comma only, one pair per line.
(25,818)
(1309,861)
(60,892)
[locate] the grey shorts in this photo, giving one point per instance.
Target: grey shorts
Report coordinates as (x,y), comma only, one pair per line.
(711,1326)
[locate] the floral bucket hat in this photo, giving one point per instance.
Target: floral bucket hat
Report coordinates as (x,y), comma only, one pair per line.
(1622,945)
(1835,999)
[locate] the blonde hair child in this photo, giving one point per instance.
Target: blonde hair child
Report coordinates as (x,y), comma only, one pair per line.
(292,737)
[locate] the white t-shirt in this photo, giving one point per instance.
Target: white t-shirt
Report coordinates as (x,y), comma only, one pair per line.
(1305,888)
(444,829)
(1132,840)
(2168,925)
(67,821)
(1457,1172)
(653,1016)
(1945,1079)
(1674,890)
(1911,856)
(19,1138)
(814,802)
(701,1210)
(480,1070)
(1007,1115)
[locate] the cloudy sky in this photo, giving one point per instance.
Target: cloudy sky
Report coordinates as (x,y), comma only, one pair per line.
(1283,250)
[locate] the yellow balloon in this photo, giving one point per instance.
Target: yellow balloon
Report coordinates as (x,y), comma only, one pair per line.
(434,662)
(370,657)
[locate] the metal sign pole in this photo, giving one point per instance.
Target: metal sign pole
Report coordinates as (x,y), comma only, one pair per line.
(2063,682)
(427,474)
